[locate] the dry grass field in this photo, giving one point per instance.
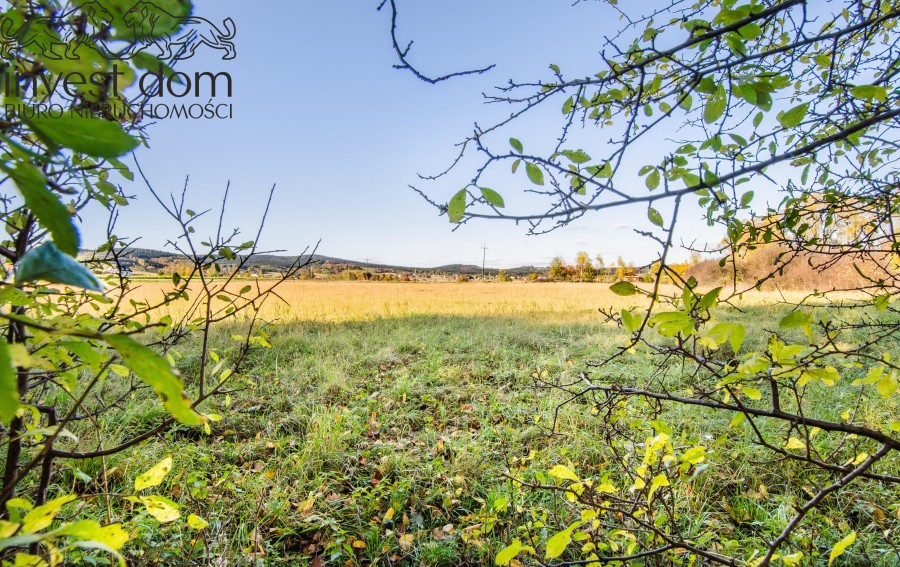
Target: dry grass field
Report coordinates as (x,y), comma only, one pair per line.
(379,428)
(337,301)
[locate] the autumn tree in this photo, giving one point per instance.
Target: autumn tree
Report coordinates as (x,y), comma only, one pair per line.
(714,102)
(584,266)
(77,349)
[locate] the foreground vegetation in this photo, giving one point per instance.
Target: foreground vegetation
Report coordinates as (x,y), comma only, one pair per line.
(388,434)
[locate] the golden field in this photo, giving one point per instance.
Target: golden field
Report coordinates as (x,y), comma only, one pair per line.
(338,301)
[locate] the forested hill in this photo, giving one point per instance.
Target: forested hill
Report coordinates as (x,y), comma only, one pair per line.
(277,262)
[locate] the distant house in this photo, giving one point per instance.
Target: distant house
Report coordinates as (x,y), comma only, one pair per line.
(124,268)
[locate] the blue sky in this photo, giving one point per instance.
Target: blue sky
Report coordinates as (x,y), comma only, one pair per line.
(321,113)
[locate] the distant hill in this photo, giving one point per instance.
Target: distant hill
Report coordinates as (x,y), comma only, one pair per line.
(278,262)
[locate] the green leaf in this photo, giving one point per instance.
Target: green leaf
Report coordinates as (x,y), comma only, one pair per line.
(576,156)
(738,333)
(869,92)
(709,299)
(672,323)
(535,173)
(631,322)
(655,217)
(623,289)
(653,180)
(9,387)
(715,106)
(50,212)
(604,172)
(738,139)
(154,476)
(90,136)
(155,371)
(47,263)
(750,31)
(794,116)
(794,320)
(456,210)
(841,546)
(736,45)
(706,86)
(517,145)
(493,197)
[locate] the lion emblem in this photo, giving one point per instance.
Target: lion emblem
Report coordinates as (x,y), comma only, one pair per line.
(176,37)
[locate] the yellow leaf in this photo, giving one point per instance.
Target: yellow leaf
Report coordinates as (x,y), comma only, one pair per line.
(43,516)
(752,393)
(8,529)
(738,419)
(793,560)
(161,508)
(389,515)
(564,473)
(508,554)
(306,505)
(154,476)
(557,544)
(841,546)
(406,541)
(659,481)
(27,560)
(359,544)
(695,455)
(196,522)
(112,536)
(795,443)
(887,385)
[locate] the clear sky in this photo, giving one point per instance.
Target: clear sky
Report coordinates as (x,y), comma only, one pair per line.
(319,111)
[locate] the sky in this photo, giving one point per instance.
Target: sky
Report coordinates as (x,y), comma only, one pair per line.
(320,113)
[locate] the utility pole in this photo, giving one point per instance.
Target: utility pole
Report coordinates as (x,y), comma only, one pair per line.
(483,261)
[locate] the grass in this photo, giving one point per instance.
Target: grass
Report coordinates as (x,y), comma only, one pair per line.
(378,429)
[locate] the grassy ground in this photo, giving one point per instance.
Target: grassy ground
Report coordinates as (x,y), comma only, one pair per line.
(378,429)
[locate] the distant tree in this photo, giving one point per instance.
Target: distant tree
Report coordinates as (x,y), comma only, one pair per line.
(558,269)
(584,267)
(502,276)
